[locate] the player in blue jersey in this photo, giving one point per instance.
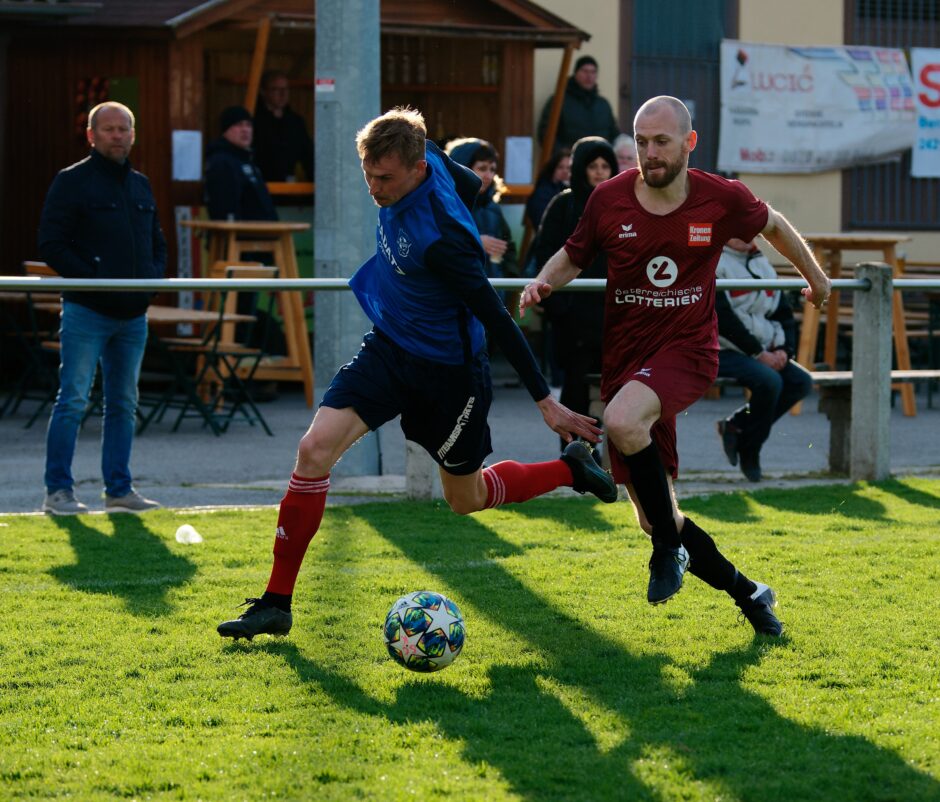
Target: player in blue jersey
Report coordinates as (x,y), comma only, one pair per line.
(430,302)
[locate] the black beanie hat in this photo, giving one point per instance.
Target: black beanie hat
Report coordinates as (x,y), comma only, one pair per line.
(232,116)
(584,60)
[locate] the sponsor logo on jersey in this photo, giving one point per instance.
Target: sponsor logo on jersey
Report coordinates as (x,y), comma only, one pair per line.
(386,249)
(662,271)
(660,299)
(627,231)
(700,234)
(280,533)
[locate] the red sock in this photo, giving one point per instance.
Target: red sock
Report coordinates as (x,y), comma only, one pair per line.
(508,482)
(297,522)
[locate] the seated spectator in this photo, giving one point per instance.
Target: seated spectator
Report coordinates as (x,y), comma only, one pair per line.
(757,335)
(281,140)
(481,157)
(583,112)
(576,318)
(235,188)
(554,176)
(625,148)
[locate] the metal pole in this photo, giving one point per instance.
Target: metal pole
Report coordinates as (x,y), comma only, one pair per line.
(347,97)
(870,446)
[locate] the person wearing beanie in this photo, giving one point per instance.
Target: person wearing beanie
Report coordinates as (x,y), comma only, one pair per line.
(583,112)
(235,188)
(481,157)
(576,318)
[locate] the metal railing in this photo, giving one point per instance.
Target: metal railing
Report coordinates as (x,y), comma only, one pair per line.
(871,353)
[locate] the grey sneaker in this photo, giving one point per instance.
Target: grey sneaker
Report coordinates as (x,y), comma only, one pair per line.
(63,502)
(132,502)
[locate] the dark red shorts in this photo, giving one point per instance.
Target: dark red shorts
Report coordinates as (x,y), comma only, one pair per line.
(679,378)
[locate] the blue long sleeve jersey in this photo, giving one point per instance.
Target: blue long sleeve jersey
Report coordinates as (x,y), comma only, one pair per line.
(426,288)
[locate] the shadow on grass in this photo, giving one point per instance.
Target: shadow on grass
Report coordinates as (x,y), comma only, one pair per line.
(844,500)
(541,740)
(912,495)
(133,563)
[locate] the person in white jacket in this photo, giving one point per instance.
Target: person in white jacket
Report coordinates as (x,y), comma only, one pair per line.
(757,334)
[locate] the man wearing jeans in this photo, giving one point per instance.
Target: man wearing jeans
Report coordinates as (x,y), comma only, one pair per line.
(757,335)
(100,221)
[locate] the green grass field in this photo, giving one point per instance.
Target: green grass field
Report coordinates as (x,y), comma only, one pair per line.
(115,685)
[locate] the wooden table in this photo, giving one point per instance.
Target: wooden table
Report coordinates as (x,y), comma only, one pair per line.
(229,241)
(828,250)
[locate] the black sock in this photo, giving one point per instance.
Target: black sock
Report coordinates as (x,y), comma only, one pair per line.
(711,566)
(648,478)
(279,600)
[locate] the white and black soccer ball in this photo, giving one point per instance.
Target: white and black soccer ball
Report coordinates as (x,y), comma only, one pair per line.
(424,631)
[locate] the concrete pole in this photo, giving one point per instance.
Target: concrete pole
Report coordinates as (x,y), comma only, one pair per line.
(347,93)
(870,449)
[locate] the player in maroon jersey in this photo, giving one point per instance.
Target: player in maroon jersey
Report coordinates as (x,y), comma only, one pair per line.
(662,227)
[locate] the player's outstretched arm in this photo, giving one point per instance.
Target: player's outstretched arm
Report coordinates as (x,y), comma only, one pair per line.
(780,233)
(568,424)
(557,272)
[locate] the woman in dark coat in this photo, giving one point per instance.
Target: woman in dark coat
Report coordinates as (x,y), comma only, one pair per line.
(576,318)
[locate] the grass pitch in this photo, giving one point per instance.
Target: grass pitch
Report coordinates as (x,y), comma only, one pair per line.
(114,684)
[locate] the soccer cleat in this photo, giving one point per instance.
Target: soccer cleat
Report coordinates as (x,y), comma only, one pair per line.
(667,568)
(63,502)
(260,618)
(729,434)
(758,610)
(588,476)
(132,502)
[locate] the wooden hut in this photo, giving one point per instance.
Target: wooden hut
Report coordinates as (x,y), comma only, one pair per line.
(468,66)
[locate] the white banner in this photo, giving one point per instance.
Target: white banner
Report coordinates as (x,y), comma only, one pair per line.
(811,109)
(925,65)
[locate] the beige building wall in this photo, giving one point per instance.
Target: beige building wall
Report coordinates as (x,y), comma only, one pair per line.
(599,18)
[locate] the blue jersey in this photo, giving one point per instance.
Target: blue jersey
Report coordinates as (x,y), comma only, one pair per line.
(426,289)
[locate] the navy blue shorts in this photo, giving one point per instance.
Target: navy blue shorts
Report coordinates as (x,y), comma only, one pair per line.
(443,408)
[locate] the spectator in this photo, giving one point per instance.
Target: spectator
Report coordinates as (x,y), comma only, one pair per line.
(281,139)
(577,318)
(625,148)
(757,335)
(235,188)
(100,221)
(481,157)
(583,112)
(554,176)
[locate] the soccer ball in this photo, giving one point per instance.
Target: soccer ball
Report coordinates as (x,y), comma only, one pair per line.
(424,631)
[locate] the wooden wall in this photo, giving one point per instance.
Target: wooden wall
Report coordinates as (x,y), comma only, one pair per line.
(43,74)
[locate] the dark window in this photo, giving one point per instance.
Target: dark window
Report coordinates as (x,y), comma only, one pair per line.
(885,196)
(673,48)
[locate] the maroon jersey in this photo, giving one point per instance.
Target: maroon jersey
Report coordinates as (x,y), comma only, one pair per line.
(661,268)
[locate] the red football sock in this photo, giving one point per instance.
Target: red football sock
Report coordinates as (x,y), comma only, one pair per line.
(297,522)
(509,482)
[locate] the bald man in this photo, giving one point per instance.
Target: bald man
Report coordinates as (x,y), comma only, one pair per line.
(662,227)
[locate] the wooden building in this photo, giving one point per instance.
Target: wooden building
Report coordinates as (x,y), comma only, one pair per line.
(467,66)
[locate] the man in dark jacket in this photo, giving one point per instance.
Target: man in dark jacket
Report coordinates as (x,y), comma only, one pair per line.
(583,112)
(235,188)
(100,221)
(281,138)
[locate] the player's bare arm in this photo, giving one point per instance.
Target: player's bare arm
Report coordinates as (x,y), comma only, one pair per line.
(780,233)
(557,272)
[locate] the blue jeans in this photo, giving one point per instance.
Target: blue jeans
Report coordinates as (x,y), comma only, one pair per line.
(772,394)
(88,338)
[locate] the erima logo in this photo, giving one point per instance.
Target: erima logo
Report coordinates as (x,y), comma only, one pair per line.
(280,534)
(643,372)
(627,231)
